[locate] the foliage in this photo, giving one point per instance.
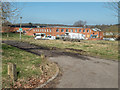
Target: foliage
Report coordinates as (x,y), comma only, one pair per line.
(80,23)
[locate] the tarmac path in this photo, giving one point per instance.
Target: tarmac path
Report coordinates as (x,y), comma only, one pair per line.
(78,71)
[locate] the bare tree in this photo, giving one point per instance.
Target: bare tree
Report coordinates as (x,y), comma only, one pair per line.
(115,6)
(79,23)
(10,12)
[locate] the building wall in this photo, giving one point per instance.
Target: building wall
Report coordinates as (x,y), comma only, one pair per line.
(61,31)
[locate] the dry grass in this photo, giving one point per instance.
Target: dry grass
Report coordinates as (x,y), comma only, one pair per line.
(28,68)
(100,48)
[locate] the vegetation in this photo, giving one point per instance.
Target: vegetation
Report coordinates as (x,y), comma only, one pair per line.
(79,23)
(24,61)
(28,68)
(102,49)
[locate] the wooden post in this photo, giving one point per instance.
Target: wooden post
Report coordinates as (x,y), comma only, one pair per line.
(12,71)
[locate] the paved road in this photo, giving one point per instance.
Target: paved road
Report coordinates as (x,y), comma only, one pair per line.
(92,73)
(78,71)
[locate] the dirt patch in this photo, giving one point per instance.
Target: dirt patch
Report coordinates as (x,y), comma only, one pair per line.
(75,49)
(48,52)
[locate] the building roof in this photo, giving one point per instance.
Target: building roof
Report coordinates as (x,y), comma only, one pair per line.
(63,27)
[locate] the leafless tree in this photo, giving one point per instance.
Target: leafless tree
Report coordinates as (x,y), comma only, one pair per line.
(10,12)
(80,23)
(115,6)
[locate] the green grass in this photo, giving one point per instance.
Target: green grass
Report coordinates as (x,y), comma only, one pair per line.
(98,48)
(26,64)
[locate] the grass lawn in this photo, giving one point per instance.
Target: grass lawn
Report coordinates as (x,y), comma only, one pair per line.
(28,65)
(100,48)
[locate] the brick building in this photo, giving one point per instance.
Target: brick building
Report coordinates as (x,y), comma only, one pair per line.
(58,31)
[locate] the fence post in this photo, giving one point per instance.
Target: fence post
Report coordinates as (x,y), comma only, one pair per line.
(12,71)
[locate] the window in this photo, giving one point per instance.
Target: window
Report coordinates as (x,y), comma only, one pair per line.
(83,30)
(79,30)
(87,30)
(75,30)
(62,30)
(47,30)
(57,35)
(57,30)
(34,30)
(42,29)
(71,30)
(62,35)
(66,30)
(50,30)
(38,30)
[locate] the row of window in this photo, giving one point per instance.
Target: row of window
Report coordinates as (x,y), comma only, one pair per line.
(42,30)
(62,30)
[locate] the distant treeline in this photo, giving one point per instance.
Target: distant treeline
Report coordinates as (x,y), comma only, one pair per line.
(105,28)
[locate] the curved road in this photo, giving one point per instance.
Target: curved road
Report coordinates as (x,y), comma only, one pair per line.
(93,73)
(78,71)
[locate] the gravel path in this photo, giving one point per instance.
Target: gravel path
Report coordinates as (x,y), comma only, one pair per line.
(78,71)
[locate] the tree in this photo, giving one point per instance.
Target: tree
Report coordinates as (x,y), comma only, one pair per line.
(30,24)
(9,14)
(79,23)
(115,6)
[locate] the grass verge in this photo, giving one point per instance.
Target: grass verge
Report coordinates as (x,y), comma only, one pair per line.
(28,68)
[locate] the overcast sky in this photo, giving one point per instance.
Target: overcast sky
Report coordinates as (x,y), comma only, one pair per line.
(66,13)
